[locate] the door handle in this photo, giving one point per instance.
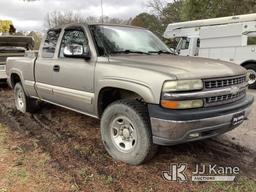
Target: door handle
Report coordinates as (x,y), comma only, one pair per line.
(56,68)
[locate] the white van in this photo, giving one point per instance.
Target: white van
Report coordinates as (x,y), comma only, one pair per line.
(228,38)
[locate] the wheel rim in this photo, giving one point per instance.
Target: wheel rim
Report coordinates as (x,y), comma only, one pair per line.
(20,99)
(252,76)
(123,134)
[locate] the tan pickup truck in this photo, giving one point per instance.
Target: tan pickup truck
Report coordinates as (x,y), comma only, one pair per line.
(144,95)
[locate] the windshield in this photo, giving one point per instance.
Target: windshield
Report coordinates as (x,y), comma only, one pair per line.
(117,39)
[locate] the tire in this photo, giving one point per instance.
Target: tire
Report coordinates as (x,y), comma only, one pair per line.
(252,67)
(22,102)
(126,132)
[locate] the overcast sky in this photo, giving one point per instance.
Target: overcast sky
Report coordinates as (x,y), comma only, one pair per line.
(30,16)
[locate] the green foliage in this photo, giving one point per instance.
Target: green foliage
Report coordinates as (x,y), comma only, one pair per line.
(203,9)
(37,38)
(186,10)
(148,21)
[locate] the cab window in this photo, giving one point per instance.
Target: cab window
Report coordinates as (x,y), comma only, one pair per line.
(76,36)
(50,43)
(185,43)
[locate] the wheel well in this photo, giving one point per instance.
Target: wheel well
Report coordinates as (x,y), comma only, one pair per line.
(248,62)
(109,95)
(15,79)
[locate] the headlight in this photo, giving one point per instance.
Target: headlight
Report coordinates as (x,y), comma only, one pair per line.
(251,76)
(182,85)
(188,104)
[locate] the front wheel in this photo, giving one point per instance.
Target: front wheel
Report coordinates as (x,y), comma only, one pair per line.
(126,132)
(251,69)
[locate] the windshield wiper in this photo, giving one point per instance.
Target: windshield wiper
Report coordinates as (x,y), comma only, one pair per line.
(162,52)
(130,51)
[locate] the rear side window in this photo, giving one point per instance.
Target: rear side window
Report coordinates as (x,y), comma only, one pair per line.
(50,43)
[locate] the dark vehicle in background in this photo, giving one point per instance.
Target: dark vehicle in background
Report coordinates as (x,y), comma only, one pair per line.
(13,46)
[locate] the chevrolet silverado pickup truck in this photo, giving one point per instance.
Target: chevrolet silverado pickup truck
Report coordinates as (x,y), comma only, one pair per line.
(144,95)
(12,46)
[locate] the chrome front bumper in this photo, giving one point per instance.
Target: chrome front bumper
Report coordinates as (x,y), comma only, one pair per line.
(171,130)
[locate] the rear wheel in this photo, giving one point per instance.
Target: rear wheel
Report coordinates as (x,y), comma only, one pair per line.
(251,68)
(22,102)
(126,132)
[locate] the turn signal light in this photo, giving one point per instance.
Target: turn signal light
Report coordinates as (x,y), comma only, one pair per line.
(188,104)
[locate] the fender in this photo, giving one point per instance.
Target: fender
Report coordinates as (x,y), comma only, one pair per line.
(135,86)
(17,72)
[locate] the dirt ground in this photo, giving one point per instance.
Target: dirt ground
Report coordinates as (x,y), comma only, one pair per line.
(60,150)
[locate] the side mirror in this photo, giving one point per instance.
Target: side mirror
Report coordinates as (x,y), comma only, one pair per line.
(77,51)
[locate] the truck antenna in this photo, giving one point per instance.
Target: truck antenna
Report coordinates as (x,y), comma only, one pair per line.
(102,22)
(102,19)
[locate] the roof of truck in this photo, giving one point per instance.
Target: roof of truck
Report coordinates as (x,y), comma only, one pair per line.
(210,22)
(94,24)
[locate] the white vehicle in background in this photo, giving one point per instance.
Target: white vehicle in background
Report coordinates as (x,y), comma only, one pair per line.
(228,38)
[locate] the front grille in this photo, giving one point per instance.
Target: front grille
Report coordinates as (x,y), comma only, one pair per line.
(219,83)
(222,83)
(224,99)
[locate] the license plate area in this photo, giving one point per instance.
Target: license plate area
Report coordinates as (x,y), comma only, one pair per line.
(238,118)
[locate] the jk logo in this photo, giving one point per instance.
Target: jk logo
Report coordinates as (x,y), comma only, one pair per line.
(176,173)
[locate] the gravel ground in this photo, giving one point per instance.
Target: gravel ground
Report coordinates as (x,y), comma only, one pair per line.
(244,135)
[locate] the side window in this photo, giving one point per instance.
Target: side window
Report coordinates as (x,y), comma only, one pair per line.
(185,43)
(50,43)
(198,43)
(251,41)
(251,38)
(73,37)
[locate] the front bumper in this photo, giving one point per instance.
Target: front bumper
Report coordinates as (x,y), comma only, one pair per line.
(170,127)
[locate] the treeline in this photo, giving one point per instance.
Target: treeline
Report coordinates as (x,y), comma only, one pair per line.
(186,10)
(161,14)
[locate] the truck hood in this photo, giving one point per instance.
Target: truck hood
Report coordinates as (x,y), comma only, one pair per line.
(179,66)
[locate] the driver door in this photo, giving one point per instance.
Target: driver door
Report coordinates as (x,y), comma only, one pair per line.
(74,77)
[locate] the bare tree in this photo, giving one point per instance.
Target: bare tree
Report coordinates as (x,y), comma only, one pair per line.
(58,18)
(157,6)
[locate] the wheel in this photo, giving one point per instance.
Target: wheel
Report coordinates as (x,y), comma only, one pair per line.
(126,132)
(22,102)
(251,68)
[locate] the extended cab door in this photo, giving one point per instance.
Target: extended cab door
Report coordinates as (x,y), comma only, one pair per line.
(44,65)
(74,77)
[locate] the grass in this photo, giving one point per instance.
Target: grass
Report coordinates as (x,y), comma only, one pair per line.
(31,170)
(242,184)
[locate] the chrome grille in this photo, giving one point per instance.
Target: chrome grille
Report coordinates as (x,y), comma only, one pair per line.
(219,83)
(224,99)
